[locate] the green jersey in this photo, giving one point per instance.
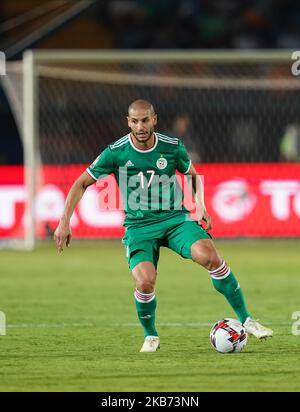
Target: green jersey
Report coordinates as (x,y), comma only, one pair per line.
(146,178)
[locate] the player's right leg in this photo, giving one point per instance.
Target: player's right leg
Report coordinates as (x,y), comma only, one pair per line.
(144,274)
(143,254)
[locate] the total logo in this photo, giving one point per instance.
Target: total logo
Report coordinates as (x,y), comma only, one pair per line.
(233,200)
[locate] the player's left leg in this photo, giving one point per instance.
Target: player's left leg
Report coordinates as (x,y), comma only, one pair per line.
(204,253)
(191,241)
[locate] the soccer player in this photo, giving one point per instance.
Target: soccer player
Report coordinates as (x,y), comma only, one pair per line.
(143,162)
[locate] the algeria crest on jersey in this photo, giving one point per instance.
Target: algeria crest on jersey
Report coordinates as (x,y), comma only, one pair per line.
(161,163)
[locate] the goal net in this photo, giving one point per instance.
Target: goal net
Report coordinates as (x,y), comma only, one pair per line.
(227,107)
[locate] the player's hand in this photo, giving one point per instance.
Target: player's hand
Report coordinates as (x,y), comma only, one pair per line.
(62,236)
(208,221)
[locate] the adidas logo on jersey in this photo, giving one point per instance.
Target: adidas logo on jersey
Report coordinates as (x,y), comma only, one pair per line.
(129,163)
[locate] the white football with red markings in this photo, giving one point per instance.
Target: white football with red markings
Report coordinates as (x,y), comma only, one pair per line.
(228,335)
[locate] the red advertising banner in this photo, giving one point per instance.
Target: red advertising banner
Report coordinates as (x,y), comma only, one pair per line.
(253,200)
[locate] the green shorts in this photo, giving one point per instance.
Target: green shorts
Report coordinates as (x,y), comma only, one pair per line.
(177,233)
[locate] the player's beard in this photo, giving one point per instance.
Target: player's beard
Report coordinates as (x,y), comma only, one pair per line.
(145,138)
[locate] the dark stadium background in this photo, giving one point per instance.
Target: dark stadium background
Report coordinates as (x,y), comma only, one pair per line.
(69,319)
(153,24)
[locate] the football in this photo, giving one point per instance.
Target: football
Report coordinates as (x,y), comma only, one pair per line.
(228,335)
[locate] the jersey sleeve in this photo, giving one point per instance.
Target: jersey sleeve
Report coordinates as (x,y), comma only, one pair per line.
(183,160)
(102,165)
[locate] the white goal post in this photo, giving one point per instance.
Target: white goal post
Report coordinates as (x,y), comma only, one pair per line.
(205,71)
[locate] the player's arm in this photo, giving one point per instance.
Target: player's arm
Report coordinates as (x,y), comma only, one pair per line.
(63,231)
(198,192)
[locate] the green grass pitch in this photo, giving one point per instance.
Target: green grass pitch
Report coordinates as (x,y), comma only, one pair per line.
(72,326)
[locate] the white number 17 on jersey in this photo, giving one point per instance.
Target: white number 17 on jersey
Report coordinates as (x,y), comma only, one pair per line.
(141,174)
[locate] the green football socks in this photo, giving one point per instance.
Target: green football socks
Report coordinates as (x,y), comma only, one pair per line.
(145,305)
(225,282)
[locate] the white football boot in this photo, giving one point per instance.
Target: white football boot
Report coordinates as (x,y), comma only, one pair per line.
(151,344)
(256,329)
